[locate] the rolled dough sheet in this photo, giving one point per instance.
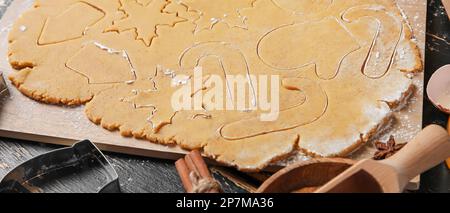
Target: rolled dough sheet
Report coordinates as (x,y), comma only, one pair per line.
(345,69)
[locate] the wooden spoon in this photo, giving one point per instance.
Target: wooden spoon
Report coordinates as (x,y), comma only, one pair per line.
(428,149)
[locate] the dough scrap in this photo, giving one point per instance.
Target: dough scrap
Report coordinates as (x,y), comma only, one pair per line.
(341,66)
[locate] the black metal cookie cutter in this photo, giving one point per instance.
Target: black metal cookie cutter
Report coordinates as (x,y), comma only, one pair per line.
(83,156)
(3,88)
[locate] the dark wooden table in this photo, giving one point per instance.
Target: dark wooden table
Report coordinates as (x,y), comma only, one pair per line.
(152,175)
(437,54)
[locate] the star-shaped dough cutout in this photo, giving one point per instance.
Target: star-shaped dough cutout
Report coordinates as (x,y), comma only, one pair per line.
(145,17)
(156,98)
(219,11)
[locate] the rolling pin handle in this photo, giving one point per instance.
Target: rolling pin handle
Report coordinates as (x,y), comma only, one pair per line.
(429,148)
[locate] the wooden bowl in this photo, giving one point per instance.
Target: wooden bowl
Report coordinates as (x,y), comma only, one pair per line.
(305,176)
(438,89)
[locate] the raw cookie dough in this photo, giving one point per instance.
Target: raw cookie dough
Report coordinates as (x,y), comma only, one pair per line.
(344,67)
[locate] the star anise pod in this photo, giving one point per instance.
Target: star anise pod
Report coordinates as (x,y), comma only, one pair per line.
(386,150)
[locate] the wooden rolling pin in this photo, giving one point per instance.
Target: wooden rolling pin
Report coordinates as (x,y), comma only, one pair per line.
(426,150)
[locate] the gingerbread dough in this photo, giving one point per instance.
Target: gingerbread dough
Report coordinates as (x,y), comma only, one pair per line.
(344,67)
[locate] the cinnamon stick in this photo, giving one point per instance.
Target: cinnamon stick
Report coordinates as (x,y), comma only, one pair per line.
(183,172)
(195,175)
(197,159)
(190,164)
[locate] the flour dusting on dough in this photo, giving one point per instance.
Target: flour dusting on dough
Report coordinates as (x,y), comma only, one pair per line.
(345,68)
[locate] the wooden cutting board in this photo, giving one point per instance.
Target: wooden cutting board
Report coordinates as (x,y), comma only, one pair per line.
(23,118)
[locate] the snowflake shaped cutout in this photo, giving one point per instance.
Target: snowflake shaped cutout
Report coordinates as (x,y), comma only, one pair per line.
(155,98)
(219,11)
(145,17)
